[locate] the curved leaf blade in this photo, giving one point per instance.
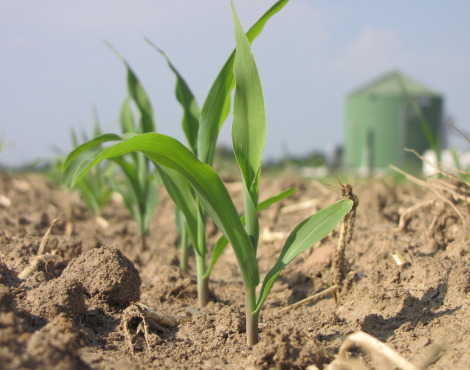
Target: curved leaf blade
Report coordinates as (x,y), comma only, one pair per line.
(306,234)
(216,107)
(169,152)
(185,97)
(94,143)
(183,196)
(249,117)
(222,242)
(138,94)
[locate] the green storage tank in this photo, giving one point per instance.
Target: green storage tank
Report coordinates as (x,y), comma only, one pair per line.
(386,116)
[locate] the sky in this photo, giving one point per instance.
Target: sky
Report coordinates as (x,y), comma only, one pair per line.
(55,68)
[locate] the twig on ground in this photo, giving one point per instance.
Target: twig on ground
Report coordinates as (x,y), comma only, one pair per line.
(451,124)
(407,213)
(438,189)
(311,299)
(47,236)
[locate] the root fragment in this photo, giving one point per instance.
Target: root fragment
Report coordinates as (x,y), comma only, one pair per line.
(150,319)
(373,347)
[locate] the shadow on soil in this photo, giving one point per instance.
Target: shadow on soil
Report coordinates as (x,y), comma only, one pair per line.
(413,312)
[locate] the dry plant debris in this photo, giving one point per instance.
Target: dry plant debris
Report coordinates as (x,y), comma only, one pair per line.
(338,266)
(450,190)
(46,260)
(373,347)
(149,319)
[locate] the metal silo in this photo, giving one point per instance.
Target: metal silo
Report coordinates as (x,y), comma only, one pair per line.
(387,115)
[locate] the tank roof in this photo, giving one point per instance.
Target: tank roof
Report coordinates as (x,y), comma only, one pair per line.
(394,83)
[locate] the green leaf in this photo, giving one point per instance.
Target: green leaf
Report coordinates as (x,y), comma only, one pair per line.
(151,202)
(182,194)
(170,153)
(141,99)
(216,107)
(127,118)
(139,96)
(185,97)
(249,118)
(306,234)
(92,144)
(222,242)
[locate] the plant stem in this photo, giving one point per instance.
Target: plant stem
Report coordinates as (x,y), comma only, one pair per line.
(202,283)
(251,317)
(251,217)
(143,238)
(184,251)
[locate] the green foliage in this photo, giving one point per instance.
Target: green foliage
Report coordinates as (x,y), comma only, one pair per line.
(202,130)
(141,182)
(196,188)
(94,188)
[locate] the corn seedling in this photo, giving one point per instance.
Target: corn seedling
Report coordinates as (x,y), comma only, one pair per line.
(140,188)
(199,179)
(94,188)
(201,128)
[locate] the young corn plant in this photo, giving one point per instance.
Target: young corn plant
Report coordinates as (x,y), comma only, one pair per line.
(141,182)
(95,188)
(202,184)
(201,128)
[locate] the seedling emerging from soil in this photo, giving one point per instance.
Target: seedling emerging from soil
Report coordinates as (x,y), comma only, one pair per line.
(201,128)
(140,188)
(95,189)
(248,136)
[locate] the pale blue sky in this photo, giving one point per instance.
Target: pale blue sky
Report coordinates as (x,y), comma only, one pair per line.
(54,66)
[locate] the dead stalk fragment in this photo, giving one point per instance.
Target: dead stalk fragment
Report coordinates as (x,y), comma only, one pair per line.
(47,259)
(338,265)
(47,236)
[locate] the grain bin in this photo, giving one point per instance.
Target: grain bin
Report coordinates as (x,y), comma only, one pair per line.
(384,117)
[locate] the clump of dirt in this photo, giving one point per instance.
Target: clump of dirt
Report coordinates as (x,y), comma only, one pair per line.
(54,298)
(55,346)
(107,276)
(69,310)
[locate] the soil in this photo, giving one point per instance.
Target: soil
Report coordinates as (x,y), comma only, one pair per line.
(74,307)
